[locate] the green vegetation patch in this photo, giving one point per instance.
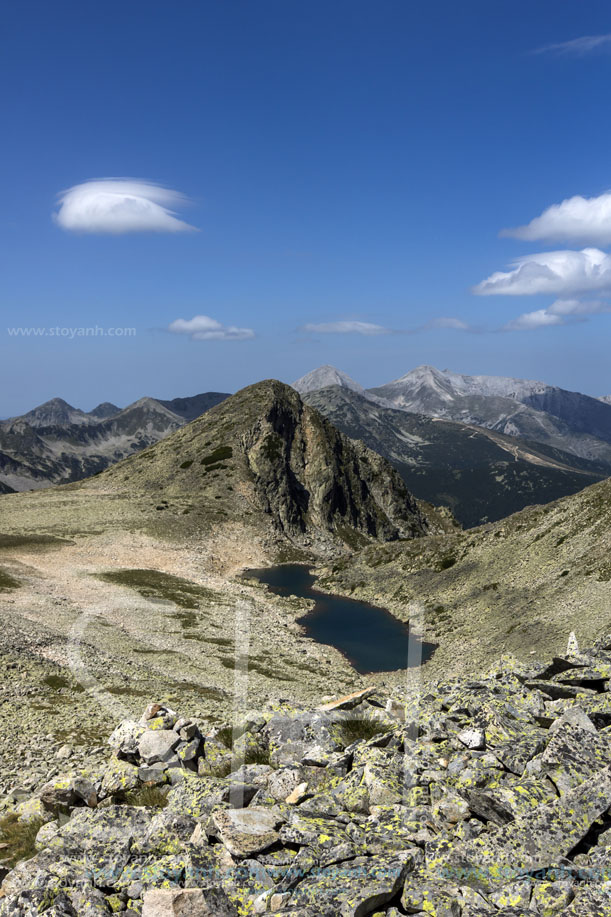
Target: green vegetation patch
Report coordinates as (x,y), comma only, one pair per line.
(358,729)
(272,447)
(251,665)
(31,541)
(8,582)
(58,682)
(219,455)
(156,585)
(17,839)
(292,555)
(186,464)
(355,540)
(149,796)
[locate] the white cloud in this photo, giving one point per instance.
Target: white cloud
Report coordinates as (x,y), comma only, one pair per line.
(118,206)
(346,328)
(577,219)
(559,273)
(204,328)
(578,46)
(561,312)
(578,307)
(541,318)
(447,322)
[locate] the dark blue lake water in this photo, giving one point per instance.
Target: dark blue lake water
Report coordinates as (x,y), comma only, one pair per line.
(371,638)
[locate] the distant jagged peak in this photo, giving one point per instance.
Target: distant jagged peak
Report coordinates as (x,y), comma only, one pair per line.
(463,384)
(149,406)
(53,412)
(606,399)
(104,410)
(323,377)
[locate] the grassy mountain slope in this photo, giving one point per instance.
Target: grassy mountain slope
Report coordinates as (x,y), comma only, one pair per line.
(519,585)
(264,453)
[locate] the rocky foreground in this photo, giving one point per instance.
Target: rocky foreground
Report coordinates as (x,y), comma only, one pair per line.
(489,796)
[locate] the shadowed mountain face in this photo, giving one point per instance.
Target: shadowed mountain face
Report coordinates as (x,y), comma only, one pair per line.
(56,443)
(533,410)
(480,474)
(266,455)
(195,406)
(104,410)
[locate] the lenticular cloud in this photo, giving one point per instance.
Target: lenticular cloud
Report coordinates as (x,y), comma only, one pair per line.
(118,206)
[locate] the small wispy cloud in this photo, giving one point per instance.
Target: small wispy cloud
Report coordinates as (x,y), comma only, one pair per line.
(540,318)
(204,328)
(369,329)
(346,327)
(118,206)
(578,46)
(561,312)
(456,324)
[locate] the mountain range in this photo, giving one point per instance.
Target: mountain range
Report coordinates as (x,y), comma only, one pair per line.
(481,475)
(484,446)
(56,443)
(263,477)
(535,411)
(261,462)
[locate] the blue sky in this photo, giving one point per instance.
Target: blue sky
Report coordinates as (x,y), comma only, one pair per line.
(345,162)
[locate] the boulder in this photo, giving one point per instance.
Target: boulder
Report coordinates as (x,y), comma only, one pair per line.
(187,902)
(245,832)
(156,745)
(352,889)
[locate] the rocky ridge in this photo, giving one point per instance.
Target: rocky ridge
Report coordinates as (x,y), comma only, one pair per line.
(266,455)
(481,797)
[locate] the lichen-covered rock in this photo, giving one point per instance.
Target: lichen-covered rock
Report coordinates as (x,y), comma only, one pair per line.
(157,745)
(535,841)
(520,827)
(352,890)
(245,832)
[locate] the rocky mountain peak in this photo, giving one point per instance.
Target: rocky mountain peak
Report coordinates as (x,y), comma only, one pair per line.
(263,453)
(323,377)
(55,412)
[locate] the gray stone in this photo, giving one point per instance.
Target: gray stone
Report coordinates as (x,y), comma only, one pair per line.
(352,889)
(187,902)
(124,739)
(245,832)
(157,745)
(472,738)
